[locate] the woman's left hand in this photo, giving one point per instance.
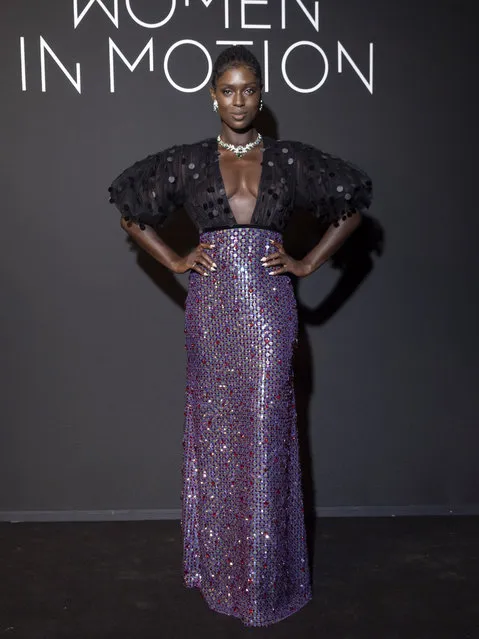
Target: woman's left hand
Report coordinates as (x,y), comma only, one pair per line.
(280,262)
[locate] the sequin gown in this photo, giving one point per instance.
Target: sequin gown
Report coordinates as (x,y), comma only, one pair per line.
(244,540)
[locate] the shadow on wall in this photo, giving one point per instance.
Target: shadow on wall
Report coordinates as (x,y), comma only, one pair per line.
(354,262)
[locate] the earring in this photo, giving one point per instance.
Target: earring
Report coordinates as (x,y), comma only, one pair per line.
(215,105)
(261,104)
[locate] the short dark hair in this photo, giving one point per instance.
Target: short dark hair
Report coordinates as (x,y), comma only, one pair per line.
(234,56)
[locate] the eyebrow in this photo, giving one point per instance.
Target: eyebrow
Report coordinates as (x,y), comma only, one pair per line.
(243,84)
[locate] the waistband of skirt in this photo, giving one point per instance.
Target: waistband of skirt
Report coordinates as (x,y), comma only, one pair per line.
(211,229)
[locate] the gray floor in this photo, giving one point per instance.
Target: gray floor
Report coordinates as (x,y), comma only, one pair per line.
(385,578)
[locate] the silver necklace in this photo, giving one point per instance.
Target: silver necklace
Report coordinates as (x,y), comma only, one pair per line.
(239,149)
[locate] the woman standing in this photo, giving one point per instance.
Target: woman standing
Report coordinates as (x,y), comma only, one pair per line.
(244,541)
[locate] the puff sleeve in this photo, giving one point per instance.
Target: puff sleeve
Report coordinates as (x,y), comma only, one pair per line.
(149,190)
(330,187)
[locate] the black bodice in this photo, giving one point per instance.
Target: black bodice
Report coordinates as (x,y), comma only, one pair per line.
(293,175)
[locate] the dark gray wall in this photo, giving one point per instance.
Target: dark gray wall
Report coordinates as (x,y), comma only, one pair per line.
(93,360)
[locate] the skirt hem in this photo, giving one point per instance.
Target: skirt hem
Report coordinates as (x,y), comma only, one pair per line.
(301,603)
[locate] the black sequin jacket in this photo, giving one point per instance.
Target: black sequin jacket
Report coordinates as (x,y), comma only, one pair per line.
(293,175)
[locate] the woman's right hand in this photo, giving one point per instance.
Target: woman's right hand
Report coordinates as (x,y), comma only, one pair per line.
(197,260)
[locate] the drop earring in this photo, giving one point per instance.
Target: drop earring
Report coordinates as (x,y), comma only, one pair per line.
(215,105)
(261,104)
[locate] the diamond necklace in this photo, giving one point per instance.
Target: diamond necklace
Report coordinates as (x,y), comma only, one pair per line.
(239,149)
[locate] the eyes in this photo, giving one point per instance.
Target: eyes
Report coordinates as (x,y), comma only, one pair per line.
(249,91)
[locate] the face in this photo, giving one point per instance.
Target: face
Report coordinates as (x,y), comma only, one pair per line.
(238,93)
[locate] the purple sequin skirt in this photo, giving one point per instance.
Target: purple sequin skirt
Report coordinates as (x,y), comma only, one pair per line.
(244,539)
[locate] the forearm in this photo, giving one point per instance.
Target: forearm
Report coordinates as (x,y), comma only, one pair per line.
(149,241)
(333,238)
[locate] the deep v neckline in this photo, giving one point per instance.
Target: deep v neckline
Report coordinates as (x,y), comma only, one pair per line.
(221,181)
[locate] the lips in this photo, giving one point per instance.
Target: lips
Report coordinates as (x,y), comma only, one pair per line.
(238,115)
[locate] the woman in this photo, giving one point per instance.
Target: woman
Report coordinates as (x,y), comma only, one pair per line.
(242,505)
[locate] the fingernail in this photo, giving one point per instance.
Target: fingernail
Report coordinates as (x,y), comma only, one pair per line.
(214,264)
(271,273)
(263,259)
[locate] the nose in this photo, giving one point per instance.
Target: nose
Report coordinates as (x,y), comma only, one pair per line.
(238,99)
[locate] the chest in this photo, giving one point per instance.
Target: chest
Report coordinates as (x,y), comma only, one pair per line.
(241,181)
(226,191)
(241,175)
